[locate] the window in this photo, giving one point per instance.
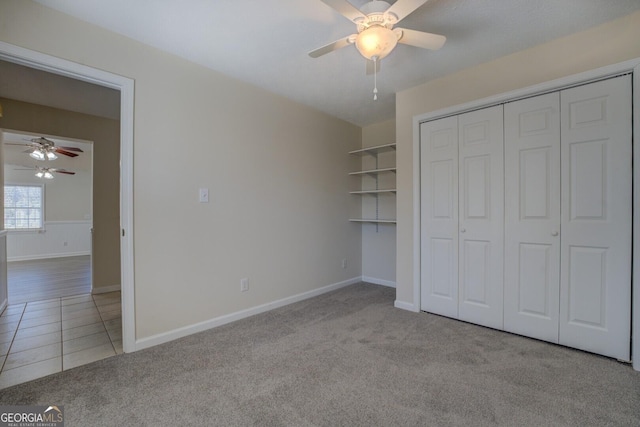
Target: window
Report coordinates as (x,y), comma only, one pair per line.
(23,207)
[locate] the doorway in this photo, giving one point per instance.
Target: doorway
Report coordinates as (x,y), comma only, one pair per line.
(125,87)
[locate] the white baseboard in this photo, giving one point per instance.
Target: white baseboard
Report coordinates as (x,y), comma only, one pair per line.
(406,306)
(105,289)
(238,315)
(46,256)
(376,281)
(3,305)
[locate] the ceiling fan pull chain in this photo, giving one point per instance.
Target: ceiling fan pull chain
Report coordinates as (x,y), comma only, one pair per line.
(375,78)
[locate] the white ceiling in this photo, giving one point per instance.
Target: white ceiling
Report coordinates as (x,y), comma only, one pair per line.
(266,42)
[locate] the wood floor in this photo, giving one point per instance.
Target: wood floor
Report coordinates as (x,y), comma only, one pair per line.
(44,279)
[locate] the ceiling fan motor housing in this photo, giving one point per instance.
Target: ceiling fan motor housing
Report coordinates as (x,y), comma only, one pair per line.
(376,15)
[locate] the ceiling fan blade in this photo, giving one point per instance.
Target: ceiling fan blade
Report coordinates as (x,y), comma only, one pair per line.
(346,9)
(62,171)
(64,152)
(402,8)
(18,143)
(338,44)
(70,148)
(421,39)
(370,67)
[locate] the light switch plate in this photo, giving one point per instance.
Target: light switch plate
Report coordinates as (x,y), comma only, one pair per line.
(204,195)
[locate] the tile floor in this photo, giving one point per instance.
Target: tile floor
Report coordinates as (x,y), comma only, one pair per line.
(45,337)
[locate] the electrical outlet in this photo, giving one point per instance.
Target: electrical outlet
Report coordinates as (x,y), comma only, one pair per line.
(344,263)
(244,285)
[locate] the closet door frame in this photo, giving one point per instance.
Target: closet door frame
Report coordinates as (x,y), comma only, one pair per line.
(632,66)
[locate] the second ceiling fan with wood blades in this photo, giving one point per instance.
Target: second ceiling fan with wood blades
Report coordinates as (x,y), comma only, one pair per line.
(46,173)
(376,37)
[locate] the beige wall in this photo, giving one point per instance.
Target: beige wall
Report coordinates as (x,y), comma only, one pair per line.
(379,243)
(105,134)
(606,44)
(277,173)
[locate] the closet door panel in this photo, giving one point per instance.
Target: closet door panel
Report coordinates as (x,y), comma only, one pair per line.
(595,299)
(439,216)
(477,262)
(532,217)
(482,217)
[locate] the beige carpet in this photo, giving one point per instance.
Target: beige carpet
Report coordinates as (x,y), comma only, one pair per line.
(347,358)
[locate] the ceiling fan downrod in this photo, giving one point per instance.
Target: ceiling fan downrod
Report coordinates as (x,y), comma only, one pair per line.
(375,77)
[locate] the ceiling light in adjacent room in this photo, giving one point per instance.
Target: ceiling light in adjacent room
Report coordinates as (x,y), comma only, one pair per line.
(44,173)
(37,154)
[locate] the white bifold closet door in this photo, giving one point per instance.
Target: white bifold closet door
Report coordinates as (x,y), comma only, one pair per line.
(568,217)
(532,217)
(462,216)
(439,216)
(481,222)
(595,297)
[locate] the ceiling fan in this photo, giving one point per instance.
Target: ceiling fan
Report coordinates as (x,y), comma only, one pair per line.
(376,37)
(45,149)
(46,173)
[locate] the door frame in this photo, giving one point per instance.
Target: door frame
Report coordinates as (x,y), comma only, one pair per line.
(52,64)
(631,66)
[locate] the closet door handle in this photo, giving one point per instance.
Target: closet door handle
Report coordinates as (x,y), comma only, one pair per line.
(462,230)
(554,233)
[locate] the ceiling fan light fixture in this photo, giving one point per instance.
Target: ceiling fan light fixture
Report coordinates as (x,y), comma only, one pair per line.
(51,155)
(39,174)
(376,41)
(48,175)
(37,154)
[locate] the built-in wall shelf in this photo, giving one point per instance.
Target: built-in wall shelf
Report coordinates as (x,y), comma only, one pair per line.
(373,171)
(370,175)
(373,220)
(374,151)
(373,192)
